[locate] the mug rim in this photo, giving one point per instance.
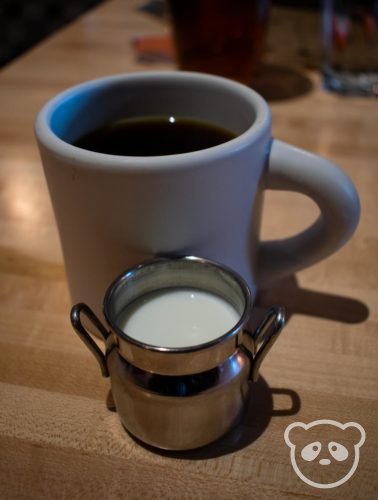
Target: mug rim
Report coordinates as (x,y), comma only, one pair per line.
(232,332)
(62,149)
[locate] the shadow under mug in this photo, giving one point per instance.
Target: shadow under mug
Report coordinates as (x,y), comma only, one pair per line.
(114,211)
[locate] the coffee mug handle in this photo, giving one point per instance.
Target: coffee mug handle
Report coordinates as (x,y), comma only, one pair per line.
(76,313)
(293,169)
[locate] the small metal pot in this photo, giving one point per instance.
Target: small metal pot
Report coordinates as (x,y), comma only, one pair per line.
(179,398)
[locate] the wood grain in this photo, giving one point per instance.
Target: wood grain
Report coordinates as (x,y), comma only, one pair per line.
(57,437)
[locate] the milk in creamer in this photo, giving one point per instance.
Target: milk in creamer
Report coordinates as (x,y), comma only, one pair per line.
(177,317)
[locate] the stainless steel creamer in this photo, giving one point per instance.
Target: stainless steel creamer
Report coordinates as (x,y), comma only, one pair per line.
(179,398)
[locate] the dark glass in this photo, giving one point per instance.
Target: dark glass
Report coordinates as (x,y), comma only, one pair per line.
(223,37)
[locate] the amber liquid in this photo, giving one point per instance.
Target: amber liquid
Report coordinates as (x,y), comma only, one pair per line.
(223,37)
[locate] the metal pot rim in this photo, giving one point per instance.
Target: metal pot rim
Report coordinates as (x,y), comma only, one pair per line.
(130,273)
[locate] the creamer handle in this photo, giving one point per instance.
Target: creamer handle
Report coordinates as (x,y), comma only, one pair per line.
(262,340)
(86,337)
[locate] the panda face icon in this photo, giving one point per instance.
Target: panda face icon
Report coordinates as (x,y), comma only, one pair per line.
(324,453)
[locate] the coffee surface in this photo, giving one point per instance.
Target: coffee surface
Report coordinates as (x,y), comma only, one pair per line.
(154,136)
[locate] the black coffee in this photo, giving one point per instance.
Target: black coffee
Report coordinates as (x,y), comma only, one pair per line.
(154,136)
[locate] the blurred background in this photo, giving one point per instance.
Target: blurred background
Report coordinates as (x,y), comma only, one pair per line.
(25,23)
(269,44)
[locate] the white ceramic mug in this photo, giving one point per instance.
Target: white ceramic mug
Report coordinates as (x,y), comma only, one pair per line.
(115,211)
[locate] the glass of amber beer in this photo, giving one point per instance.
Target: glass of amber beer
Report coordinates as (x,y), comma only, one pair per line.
(223,37)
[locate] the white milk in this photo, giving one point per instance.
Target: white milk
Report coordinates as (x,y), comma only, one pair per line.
(178,317)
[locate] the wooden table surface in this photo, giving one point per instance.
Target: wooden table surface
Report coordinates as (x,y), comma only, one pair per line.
(58,439)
